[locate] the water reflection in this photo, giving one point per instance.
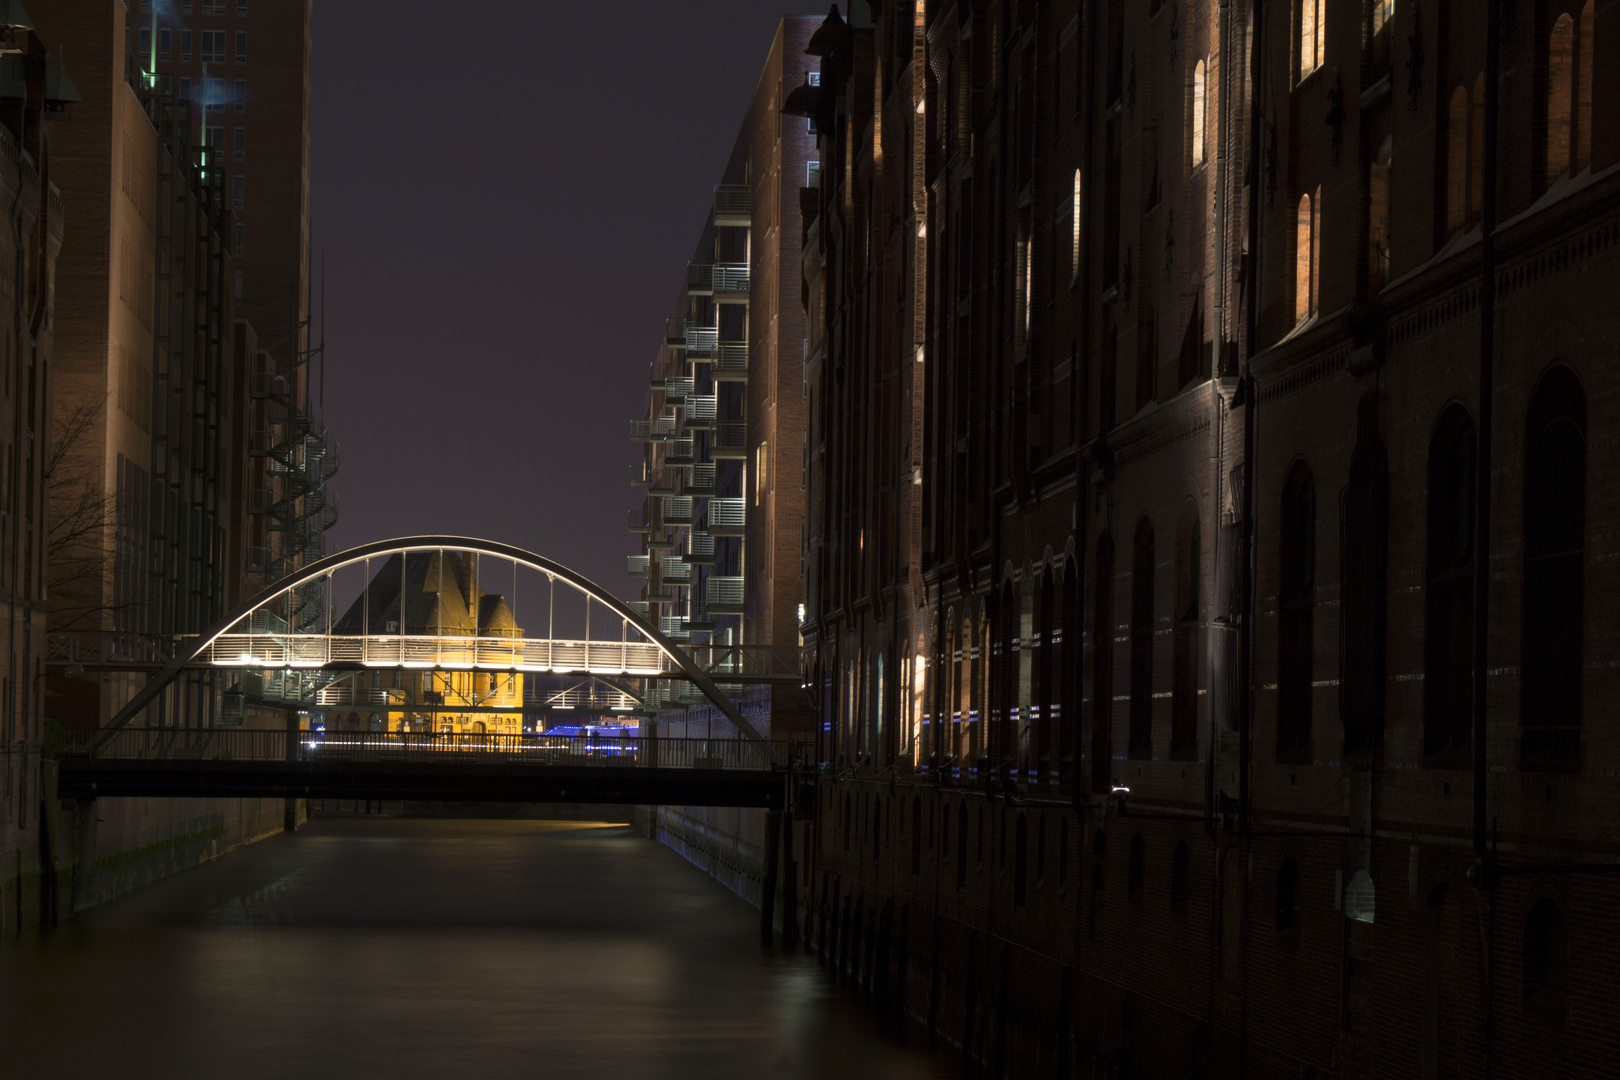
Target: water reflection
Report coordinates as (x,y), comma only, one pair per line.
(416,948)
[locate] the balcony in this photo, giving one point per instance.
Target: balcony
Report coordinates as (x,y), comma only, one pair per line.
(654,429)
(657,481)
(636,565)
(701,410)
(728,516)
(729,441)
(723,595)
(731,362)
(674,571)
(701,481)
(700,341)
(641,520)
(677,388)
(733,205)
(678,451)
(675,333)
(726,282)
(677,509)
(658,540)
(637,606)
(699,548)
(673,627)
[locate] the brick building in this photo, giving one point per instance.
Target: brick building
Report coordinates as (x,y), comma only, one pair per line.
(35,91)
(1202,568)
(722,521)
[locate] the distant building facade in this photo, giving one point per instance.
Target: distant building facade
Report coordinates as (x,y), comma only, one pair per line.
(721,523)
(1205,570)
(434,594)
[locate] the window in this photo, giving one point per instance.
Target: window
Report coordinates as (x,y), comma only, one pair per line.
(1287,895)
(241,8)
(1569,95)
(1307,256)
(1448,657)
(214,93)
(1198,108)
(1465,157)
(238,192)
(239,144)
(1359,897)
(238,245)
(1312,31)
(185,90)
(1378,217)
(1364,554)
(1379,33)
(1136,874)
(241,95)
(165,38)
(145,46)
(213,138)
(1184,650)
(1553,637)
(1102,667)
(1074,240)
(1546,959)
(762,467)
(1020,860)
(213,46)
(241,47)
(185,46)
(213,7)
(1296,610)
(1178,878)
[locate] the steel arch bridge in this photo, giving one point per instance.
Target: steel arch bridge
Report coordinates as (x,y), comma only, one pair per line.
(411,618)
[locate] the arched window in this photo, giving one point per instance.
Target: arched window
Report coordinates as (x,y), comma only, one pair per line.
(1136,872)
(1359,897)
(1184,651)
(1379,33)
(1046,673)
(1560,94)
(1142,560)
(1287,895)
(1020,859)
(1307,256)
(1554,612)
(1448,691)
(1076,218)
(1546,959)
(1296,611)
(1312,30)
(1363,578)
(1198,107)
(1102,667)
(1178,878)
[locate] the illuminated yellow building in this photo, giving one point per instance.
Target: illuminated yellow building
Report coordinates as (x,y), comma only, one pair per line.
(432,595)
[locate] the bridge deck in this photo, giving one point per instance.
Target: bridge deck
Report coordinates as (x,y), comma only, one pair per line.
(429,767)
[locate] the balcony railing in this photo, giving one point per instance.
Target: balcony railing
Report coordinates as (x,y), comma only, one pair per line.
(731,362)
(733,205)
(677,510)
(728,516)
(677,387)
(729,440)
(726,282)
(657,427)
(701,481)
(636,565)
(699,547)
(701,410)
(640,521)
(701,339)
(657,481)
(674,571)
(678,451)
(637,606)
(723,595)
(673,626)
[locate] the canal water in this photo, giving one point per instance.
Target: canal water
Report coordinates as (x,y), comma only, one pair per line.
(401,948)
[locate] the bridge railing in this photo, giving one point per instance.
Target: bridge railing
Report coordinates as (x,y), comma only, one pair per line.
(428,748)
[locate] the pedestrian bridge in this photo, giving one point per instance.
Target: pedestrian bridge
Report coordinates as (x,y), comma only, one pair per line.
(409,630)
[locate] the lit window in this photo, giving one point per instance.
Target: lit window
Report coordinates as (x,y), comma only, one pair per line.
(1074,257)
(1306,255)
(1198,115)
(1312,30)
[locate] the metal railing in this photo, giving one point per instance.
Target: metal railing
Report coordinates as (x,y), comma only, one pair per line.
(730,439)
(540,749)
(733,204)
(731,362)
(701,339)
(677,509)
(707,279)
(728,515)
(636,565)
(723,595)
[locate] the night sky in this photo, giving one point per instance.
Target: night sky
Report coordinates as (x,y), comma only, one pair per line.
(506,195)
